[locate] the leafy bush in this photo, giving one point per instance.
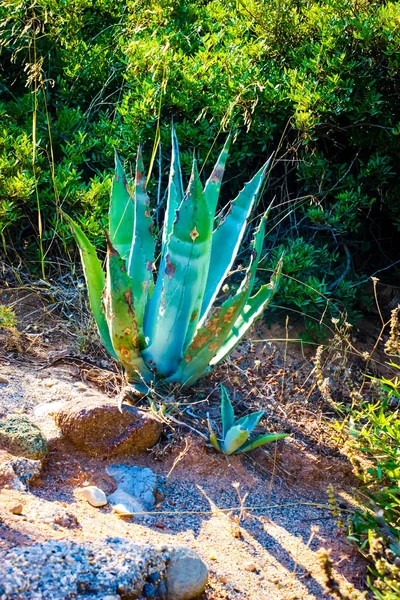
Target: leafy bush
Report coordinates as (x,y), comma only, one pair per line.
(325,74)
(376,529)
(7,317)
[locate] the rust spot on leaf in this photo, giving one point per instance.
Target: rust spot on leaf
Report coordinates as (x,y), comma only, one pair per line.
(187,358)
(194,234)
(124,351)
(194,315)
(169,267)
(123,267)
(229,314)
(147,214)
(127,331)
(213,347)
(135,341)
(111,251)
(128,189)
(150,265)
(216,177)
(128,300)
(200,340)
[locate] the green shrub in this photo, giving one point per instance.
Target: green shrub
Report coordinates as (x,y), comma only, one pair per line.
(324,73)
(375,431)
(7,317)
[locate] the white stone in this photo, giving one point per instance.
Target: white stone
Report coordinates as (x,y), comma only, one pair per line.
(122,510)
(94,495)
(130,504)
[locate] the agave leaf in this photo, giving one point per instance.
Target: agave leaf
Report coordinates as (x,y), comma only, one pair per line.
(214,441)
(251,420)
(213,184)
(257,244)
(174,200)
(209,337)
(253,309)
(227,413)
(141,257)
(121,213)
(227,237)
(267,438)
(182,281)
(213,436)
(175,187)
(125,333)
(234,439)
(95,281)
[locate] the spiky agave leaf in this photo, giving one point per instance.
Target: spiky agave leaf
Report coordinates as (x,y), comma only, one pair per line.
(252,310)
(267,438)
(174,200)
(227,412)
(183,278)
(209,337)
(213,436)
(213,184)
(121,212)
(227,237)
(125,334)
(213,332)
(141,256)
(175,187)
(251,421)
(235,438)
(95,281)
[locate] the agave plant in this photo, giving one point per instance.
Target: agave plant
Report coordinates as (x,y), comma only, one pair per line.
(235,434)
(169,328)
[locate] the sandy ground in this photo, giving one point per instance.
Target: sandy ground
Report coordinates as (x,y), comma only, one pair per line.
(267,552)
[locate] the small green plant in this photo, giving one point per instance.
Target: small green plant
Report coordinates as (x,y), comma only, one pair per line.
(170,330)
(375,431)
(235,434)
(7,317)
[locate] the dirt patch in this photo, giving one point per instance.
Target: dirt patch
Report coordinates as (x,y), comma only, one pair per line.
(257,520)
(268,550)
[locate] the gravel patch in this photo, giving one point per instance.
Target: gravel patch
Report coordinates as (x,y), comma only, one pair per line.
(57,570)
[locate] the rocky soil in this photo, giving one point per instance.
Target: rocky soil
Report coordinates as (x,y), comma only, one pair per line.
(256,521)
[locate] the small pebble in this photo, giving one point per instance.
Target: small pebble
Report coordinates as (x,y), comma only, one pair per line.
(222,579)
(4,380)
(251,567)
(122,511)
(16,509)
(94,495)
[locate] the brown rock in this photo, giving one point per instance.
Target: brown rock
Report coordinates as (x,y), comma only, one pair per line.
(97,426)
(16,509)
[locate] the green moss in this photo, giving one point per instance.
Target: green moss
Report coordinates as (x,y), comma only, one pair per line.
(21,437)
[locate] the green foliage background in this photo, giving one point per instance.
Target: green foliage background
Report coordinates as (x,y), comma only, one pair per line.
(318,82)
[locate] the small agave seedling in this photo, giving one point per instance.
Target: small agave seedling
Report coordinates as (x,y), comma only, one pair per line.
(235,434)
(168,328)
